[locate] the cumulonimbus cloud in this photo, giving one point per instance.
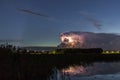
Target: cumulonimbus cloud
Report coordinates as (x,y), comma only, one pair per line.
(107,41)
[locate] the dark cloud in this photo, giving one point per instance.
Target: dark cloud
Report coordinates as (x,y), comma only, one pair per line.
(106,41)
(92,20)
(32,12)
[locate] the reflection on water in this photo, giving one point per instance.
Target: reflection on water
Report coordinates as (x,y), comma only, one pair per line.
(73,70)
(96,71)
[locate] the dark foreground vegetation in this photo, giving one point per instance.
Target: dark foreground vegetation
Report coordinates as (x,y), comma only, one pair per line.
(79,51)
(17,66)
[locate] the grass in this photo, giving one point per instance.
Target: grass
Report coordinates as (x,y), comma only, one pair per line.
(110,52)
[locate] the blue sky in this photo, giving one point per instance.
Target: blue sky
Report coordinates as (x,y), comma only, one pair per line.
(64,15)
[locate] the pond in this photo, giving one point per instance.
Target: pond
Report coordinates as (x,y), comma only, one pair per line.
(94,71)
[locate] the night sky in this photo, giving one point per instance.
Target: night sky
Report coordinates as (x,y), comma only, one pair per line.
(39,22)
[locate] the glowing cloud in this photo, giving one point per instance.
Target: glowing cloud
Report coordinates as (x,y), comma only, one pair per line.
(106,41)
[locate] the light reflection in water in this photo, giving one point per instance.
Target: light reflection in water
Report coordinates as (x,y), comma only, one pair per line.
(73,70)
(95,69)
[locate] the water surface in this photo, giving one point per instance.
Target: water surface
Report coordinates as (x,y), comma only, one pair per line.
(94,71)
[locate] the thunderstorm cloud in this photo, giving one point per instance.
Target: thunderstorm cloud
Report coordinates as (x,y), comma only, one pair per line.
(107,41)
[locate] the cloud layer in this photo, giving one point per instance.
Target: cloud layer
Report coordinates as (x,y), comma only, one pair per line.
(106,41)
(96,23)
(32,12)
